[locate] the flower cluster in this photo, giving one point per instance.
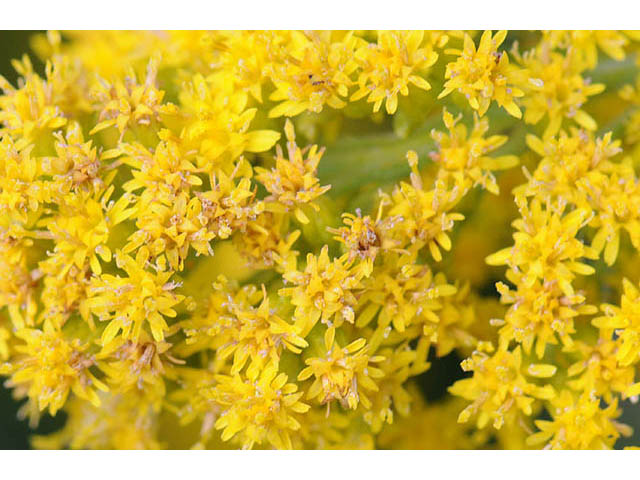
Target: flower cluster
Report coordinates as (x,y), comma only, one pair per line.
(223,240)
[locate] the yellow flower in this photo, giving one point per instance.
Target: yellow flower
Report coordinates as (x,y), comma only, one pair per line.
(18,283)
(260,411)
(215,122)
(625,321)
(171,218)
(170,281)
(249,330)
(587,42)
(81,230)
(423,216)
(345,374)
(615,198)
(265,244)
(386,68)
(64,290)
(48,367)
(403,294)
(77,165)
(167,176)
(129,302)
(137,366)
(499,389)
(20,190)
(556,89)
(364,237)
(545,246)
(127,104)
(40,106)
(463,159)
(599,371)
(456,318)
(324,291)
(484,75)
(579,422)
(392,395)
(568,161)
(125,422)
(293,182)
(246,57)
(578,170)
(314,71)
(538,314)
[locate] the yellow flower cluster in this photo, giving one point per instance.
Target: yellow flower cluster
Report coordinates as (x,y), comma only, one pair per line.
(182,267)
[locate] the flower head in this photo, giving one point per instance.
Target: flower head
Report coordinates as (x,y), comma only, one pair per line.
(258,411)
(315,72)
(344,374)
(463,157)
(499,388)
(128,303)
(324,290)
(579,422)
(483,75)
(293,182)
(556,89)
(389,66)
(49,367)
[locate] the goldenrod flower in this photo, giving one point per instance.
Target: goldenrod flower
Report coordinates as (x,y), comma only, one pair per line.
(258,412)
(215,122)
(392,396)
(48,367)
(625,321)
(463,158)
(82,229)
(21,191)
(556,89)
(423,216)
(140,366)
(41,106)
(172,277)
(587,42)
(483,75)
(364,238)
(18,283)
(404,294)
(545,247)
(249,330)
(324,290)
(343,373)
(499,388)
(127,303)
(579,422)
(538,314)
(294,182)
(387,67)
(599,370)
(315,71)
(265,244)
(125,422)
(128,104)
(577,170)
